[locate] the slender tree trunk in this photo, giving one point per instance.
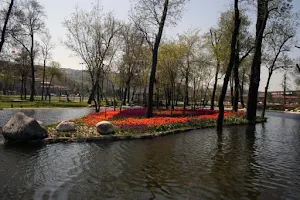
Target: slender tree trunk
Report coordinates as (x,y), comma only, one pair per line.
(194,94)
(157,96)
(5,24)
(22,86)
(149,112)
(231,88)
(44,74)
(235,35)
(128,94)
(25,88)
(173,98)
(262,17)
(167,98)
(186,90)
(49,88)
(204,98)
(145,96)
(125,95)
(284,88)
(265,97)
(235,103)
(99,98)
(212,104)
(242,91)
(133,93)
(32,92)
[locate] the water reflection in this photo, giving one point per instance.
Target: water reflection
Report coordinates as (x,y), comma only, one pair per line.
(47,116)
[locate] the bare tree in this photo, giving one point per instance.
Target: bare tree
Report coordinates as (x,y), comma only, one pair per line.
(91,35)
(276,44)
(133,42)
(53,72)
(23,61)
(215,38)
(189,42)
(29,22)
(6,20)
(285,84)
(150,16)
(46,47)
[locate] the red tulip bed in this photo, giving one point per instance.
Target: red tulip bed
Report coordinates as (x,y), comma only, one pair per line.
(133,120)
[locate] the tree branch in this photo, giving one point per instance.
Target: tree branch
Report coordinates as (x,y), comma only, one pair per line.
(5,24)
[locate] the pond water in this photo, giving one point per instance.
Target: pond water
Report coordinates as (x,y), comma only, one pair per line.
(47,116)
(244,162)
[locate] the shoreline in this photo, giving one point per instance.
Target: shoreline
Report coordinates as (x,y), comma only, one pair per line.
(143,136)
(99,138)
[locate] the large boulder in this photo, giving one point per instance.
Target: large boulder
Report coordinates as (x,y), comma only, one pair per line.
(105,128)
(23,128)
(66,126)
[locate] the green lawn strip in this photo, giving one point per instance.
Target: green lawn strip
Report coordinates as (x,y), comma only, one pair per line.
(41,104)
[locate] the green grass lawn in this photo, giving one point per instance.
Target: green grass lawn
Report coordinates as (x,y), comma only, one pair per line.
(13,101)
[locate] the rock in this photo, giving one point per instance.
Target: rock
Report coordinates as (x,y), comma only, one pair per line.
(105,128)
(66,126)
(23,128)
(41,123)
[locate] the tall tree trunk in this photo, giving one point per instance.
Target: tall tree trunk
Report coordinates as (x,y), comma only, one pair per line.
(149,112)
(44,74)
(194,94)
(32,92)
(25,88)
(99,97)
(265,97)
(262,17)
(231,89)
(5,24)
(235,103)
(168,98)
(186,90)
(145,96)
(212,104)
(284,88)
(125,95)
(22,86)
(128,94)
(234,38)
(49,88)
(133,93)
(242,90)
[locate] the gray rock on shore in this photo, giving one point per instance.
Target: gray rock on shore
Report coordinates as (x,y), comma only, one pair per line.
(105,128)
(23,128)
(66,126)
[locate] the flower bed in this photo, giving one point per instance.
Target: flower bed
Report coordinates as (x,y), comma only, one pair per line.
(131,124)
(133,120)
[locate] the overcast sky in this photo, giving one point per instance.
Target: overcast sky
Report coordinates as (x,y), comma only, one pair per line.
(201,14)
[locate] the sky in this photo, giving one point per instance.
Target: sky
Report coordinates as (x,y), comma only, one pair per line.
(198,14)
